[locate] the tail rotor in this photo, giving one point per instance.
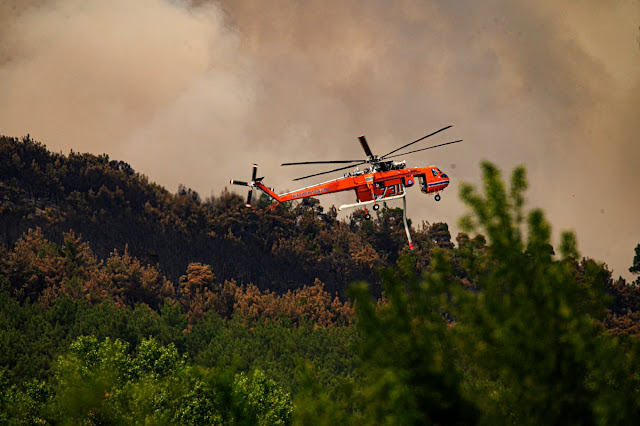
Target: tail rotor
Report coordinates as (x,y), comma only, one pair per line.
(251,184)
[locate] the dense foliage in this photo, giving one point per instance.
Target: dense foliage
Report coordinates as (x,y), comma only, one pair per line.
(112,206)
(111,313)
(103,382)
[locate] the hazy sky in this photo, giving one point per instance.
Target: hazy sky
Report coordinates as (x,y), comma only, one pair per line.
(195,92)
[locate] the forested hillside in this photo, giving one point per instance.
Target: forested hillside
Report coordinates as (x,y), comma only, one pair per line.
(112,206)
(121,302)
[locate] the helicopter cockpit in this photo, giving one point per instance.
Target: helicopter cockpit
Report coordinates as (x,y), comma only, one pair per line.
(437,173)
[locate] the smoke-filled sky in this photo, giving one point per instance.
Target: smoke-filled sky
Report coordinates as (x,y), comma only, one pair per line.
(195,92)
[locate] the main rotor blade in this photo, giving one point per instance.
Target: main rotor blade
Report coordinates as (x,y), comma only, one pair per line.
(424,149)
(365,146)
(417,140)
(330,171)
(255,172)
(321,162)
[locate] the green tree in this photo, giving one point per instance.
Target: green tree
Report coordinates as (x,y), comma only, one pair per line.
(408,359)
(258,400)
(104,382)
(532,334)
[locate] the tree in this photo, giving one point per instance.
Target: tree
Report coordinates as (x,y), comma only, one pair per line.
(260,401)
(38,269)
(409,362)
(635,267)
(104,382)
(197,290)
(129,282)
(532,333)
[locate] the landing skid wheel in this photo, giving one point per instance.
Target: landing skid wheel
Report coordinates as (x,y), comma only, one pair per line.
(367,216)
(437,197)
(376,207)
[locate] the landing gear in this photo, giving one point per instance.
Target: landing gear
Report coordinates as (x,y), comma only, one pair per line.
(437,197)
(376,207)
(367,216)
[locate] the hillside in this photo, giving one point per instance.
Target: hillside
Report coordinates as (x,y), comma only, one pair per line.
(112,206)
(122,301)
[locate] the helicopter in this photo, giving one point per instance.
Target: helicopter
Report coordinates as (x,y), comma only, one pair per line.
(381,180)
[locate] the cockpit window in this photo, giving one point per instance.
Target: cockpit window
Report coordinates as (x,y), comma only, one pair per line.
(433,171)
(444,176)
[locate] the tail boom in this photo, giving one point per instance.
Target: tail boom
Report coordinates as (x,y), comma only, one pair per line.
(262,187)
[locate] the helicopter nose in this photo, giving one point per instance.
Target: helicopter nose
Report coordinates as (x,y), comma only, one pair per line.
(445,180)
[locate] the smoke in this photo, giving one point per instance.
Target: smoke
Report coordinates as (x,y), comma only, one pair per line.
(194,92)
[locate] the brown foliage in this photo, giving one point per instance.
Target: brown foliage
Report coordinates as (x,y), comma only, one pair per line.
(624,313)
(197,291)
(309,303)
(627,322)
(40,270)
(37,269)
(129,282)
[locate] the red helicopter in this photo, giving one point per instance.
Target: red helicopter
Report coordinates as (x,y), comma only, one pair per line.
(382,180)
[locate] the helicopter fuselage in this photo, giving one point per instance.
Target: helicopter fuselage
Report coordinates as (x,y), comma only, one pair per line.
(371,186)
